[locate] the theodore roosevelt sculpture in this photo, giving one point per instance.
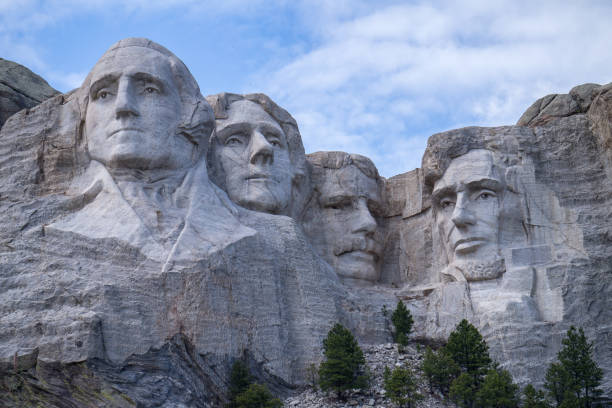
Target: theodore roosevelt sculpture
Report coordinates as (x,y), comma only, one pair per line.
(341,216)
(145,129)
(256,153)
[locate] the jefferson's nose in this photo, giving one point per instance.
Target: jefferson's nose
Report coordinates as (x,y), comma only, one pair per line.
(462,216)
(261,150)
(363,221)
(125,104)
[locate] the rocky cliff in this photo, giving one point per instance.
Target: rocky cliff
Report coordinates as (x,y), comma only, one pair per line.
(130,277)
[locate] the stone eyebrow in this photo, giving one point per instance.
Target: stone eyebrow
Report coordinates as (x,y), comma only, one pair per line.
(102,82)
(223,131)
(487,183)
(146,77)
(436,195)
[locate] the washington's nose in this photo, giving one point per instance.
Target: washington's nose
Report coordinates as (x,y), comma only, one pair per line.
(364,221)
(125,105)
(261,150)
(462,216)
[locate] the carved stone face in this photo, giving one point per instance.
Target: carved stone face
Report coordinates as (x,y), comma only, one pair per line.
(346,228)
(253,152)
(133,112)
(467,201)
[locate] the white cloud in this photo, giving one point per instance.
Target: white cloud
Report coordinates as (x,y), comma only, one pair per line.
(375,80)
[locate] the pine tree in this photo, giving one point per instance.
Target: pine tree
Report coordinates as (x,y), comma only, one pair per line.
(497,391)
(556,382)
(469,350)
(240,379)
(402,320)
(576,377)
(401,387)
(257,396)
(533,398)
(439,369)
(463,390)
(576,356)
(343,367)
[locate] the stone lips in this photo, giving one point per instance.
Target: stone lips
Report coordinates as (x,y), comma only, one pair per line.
(87,289)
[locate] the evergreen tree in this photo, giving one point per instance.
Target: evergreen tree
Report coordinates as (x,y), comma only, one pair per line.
(402,320)
(575,379)
(343,367)
(497,391)
(257,396)
(556,382)
(469,350)
(439,369)
(240,379)
(533,398)
(463,390)
(584,375)
(400,386)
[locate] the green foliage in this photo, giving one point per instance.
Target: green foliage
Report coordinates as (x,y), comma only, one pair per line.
(576,378)
(402,320)
(469,350)
(463,390)
(533,398)
(401,387)
(240,379)
(439,369)
(556,381)
(497,391)
(257,396)
(343,367)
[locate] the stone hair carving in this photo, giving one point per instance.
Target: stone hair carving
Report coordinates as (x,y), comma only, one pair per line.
(257,154)
(341,218)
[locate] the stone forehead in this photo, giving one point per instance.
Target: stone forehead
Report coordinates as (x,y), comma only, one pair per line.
(144,59)
(247,111)
(348,181)
(475,164)
(334,160)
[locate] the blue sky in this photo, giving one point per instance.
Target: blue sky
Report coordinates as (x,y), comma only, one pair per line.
(375,78)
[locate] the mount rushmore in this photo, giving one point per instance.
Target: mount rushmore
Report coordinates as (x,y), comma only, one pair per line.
(151,236)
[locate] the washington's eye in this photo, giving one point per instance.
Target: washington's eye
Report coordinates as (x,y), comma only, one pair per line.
(102,94)
(151,90)
(446,203)
(275,142)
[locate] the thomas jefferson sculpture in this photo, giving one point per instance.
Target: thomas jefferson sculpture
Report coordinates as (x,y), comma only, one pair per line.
(257,154)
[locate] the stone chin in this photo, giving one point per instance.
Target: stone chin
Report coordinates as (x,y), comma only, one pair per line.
(358,265)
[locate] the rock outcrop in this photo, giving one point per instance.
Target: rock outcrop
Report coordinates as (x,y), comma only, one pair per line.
(20,88)
(150,237)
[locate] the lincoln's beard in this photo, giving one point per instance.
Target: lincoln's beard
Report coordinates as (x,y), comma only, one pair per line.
(474,270)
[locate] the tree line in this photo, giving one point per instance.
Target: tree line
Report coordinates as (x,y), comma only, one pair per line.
(462,371)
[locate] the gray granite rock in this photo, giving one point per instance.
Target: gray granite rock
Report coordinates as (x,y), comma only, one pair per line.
(20,88)
(130,277)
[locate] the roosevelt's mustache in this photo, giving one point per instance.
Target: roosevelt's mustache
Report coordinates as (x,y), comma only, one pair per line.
(365,244)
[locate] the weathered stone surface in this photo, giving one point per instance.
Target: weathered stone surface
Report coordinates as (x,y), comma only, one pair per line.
(20,88)
(559,105)
(89,276)
(128,277)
